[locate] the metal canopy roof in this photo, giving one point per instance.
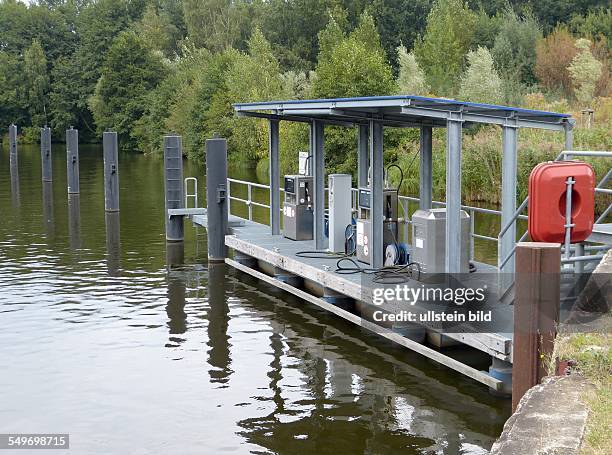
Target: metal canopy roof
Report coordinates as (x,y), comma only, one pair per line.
(401,111)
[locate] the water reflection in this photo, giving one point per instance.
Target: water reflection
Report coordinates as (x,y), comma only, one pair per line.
(251,369)
(359,395)
(175,254)
(15,197)
(175,308)
(74,221)
(218,321)
(113,243)
(48,215)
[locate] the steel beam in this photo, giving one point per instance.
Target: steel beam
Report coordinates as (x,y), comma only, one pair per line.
(318,159)
(425,169)
(453,194)
(362,159)
(376,191)
(508,202)
(274,158)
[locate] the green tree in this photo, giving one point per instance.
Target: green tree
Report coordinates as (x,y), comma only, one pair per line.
(448,36)
(514,51)
(411,78)
(399,22)
(253,76)
(217,24)
(12,100)
(37,82)
(292,27)
(130,72)
(354,65)
(481,83)
(156,29)
(585,71)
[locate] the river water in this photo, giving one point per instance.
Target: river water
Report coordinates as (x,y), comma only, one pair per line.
(101,340)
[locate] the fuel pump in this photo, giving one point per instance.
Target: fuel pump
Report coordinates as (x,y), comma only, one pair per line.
(364,222)
(297,207)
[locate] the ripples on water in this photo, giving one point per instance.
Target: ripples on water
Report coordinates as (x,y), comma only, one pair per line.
(99,339)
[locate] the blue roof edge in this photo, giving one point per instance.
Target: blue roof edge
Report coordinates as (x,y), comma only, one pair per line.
(410,97)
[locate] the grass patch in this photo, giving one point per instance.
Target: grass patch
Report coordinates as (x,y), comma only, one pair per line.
(591,352)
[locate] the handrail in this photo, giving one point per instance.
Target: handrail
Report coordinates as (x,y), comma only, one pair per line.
(598,189)
(249,202)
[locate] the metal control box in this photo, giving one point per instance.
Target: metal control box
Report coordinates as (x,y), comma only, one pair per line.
(429,240)
(364,238)
(297,208)
(340,210)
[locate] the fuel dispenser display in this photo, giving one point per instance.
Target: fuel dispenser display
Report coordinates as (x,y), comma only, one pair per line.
(297,207)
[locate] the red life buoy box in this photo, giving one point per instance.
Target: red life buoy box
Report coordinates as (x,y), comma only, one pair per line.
(547,201)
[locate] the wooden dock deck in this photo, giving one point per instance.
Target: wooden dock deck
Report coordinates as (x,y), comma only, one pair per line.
(279,253)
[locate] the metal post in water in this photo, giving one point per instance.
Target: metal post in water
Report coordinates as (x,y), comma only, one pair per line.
(113,243)
(216,198)
(74,221)
(49,220)
(15,195)
(72,160)
(13,144)
(173,172)
(45,154)
(111,172)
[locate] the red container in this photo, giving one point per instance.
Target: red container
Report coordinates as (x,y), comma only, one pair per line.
(547,198)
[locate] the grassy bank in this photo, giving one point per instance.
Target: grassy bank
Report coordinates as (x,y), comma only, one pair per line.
(593,359)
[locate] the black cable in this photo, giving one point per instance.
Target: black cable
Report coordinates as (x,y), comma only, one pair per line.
(318,254)
(397,274)
(401,175)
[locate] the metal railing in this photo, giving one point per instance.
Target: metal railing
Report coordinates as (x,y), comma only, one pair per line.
(565,155)
(404,202)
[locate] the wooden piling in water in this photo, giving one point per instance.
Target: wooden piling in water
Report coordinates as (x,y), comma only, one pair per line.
(536,313)
(45,154)
(173,173)
(111,171)
(72,160)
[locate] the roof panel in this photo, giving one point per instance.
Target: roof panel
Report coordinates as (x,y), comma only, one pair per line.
(420,107)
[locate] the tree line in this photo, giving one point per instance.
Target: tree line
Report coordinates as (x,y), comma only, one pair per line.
(147,67)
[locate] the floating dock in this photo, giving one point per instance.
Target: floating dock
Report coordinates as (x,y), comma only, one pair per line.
(263,251)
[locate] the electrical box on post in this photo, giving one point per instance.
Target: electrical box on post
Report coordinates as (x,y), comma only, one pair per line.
(548,184)
(340,215)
